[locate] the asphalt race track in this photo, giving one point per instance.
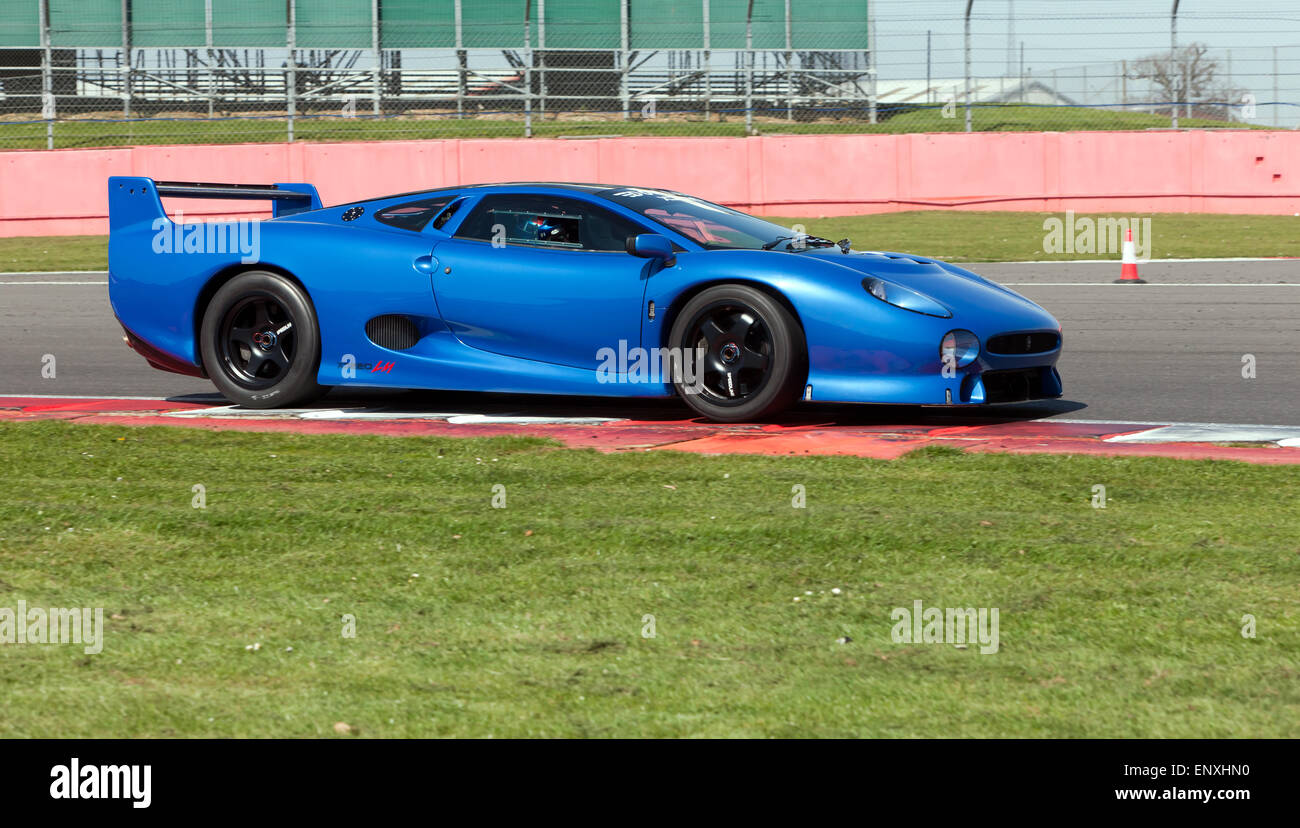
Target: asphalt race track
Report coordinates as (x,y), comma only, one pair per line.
(1168,351)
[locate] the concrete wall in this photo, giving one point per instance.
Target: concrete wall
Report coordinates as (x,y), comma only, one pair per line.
(1241,171)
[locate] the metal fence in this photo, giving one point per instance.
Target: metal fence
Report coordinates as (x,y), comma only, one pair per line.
(113,72)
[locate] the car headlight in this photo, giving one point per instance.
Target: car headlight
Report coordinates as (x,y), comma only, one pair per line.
(903,297)
(961,347)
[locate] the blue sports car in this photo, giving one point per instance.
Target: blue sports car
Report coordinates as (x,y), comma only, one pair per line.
(541,288)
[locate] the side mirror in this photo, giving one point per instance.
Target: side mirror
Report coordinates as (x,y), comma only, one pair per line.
(652,246)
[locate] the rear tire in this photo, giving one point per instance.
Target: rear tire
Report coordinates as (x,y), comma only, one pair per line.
(754,354)
(260,341)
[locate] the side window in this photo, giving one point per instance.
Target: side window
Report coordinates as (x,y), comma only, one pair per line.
(548,221)
(446,215)
(412,215)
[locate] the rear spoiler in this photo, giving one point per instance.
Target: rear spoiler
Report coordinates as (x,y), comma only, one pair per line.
(301,197)
(125,205)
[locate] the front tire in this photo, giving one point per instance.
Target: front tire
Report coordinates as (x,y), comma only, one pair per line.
(754,357)
(260,341)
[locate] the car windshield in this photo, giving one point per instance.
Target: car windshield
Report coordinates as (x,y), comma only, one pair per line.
(711,225)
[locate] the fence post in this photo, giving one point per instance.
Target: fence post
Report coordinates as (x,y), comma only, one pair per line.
(1275,103)
(291,77)
(461,63)
(376,37)
(208,42)
(126,56)
(929,90)
(871,54)
(749,69)
(1022,71)
(969,3)
(789,66)
(528,69)
(623,65)
(1173,61)
(541,58)
(47,82)
(1227,107)
(708,85)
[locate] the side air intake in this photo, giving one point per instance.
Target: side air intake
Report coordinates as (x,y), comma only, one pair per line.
(392,331)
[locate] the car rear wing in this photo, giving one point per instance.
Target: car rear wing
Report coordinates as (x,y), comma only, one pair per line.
(132,199)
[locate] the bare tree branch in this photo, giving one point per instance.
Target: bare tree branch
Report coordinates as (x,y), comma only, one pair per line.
(1188,75)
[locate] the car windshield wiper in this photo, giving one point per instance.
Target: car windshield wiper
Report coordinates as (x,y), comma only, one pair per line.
(810,241)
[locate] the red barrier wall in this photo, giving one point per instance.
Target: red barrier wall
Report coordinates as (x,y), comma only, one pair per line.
(1240,171)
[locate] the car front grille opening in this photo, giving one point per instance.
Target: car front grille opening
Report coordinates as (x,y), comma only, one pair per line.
(393,331)
(1037,342)
(1012,386)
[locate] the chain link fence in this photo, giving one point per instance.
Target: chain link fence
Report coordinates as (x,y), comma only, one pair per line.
(77,73)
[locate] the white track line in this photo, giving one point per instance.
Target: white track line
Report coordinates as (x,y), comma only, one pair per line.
(4,283)
(382,413)
(54,272)
(1157,423)
(1216,434)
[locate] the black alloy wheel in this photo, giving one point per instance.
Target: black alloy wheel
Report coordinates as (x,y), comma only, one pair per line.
(743,354)
(257,341)
(260,342)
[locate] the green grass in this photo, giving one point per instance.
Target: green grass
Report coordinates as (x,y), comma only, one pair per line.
(1019,236)
(22,254)
(527,620)
(949,235)
(1014,118)
(107,131)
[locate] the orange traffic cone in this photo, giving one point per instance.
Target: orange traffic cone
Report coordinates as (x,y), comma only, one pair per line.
(1128,272)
